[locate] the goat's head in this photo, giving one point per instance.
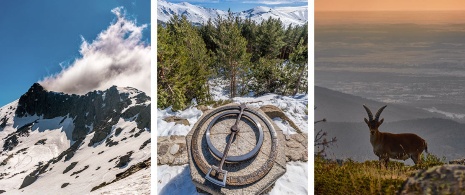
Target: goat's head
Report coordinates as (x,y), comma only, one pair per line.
(374,123)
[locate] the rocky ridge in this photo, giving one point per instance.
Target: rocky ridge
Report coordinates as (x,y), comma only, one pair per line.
(51,137)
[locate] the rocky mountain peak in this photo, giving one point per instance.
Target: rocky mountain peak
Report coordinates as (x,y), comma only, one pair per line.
(61,140)
(96,110)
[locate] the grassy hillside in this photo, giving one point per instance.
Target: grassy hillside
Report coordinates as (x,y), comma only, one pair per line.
(367,177)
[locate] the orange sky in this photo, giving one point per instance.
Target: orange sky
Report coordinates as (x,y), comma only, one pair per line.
(388,5)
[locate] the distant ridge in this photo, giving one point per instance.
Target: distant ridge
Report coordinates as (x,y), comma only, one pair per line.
(340,107)
(200,15)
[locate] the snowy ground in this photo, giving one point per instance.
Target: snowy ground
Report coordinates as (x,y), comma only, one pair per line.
(93,159)
(177,180)
(137,183)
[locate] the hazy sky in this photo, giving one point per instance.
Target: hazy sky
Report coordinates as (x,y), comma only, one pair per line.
(388,5)
(39,38)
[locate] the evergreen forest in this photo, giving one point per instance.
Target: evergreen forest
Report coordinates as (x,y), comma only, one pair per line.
(258,58)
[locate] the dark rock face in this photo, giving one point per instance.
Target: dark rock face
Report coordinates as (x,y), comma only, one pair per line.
(144,144)
(32,177)
(100,109)
(10,143)
(3,122)
(64,185)
(28,180)
(143,120)
(41,142)
(131,170)
(70,167)
(118,131)
(77,172)
(124,160)
(110,142)
(11,140)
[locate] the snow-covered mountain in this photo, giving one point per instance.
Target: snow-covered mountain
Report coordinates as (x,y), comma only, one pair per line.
(73,144)
(199,15)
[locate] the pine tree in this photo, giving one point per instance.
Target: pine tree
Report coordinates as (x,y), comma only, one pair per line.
(268,70)
(206,31)
(268,75)
(270,38)
(300,58)
(182,66)
(232,59)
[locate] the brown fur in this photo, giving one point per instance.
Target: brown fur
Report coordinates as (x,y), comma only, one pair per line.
(396,146)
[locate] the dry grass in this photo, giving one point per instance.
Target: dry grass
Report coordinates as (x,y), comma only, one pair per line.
(366,177)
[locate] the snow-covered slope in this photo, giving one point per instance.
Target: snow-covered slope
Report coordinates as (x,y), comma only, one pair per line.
(300,13)
(195,14)
(287,15)
(200,15)
(55,143)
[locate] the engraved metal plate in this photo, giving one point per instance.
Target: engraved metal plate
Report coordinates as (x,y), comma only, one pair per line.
(250,155)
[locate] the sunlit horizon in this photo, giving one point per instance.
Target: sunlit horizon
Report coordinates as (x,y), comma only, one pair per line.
(392,5)
(389,17)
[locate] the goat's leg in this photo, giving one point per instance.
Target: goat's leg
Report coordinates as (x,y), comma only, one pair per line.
(416,158)
(383,160)
(380,162)
(386,162)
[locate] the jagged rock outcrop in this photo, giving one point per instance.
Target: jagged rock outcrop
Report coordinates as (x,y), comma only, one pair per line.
(445,179)
(131,170)
(98,109)
(90,122)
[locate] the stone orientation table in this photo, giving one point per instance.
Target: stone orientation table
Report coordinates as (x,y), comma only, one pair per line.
(254,158)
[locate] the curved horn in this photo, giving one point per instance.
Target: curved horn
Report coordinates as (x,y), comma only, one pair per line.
(379,113)
(370,115)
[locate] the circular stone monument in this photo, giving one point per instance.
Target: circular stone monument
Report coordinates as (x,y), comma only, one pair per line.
(235,149)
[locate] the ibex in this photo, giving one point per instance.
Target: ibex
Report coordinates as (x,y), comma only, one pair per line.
(396,146)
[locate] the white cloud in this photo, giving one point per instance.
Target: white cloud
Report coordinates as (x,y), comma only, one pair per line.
(118,56)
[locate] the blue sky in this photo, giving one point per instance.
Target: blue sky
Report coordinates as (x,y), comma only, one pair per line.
(242,5)
(37,37)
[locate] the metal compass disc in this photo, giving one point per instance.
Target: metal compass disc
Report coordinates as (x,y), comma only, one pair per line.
(249,177)
(239,158)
